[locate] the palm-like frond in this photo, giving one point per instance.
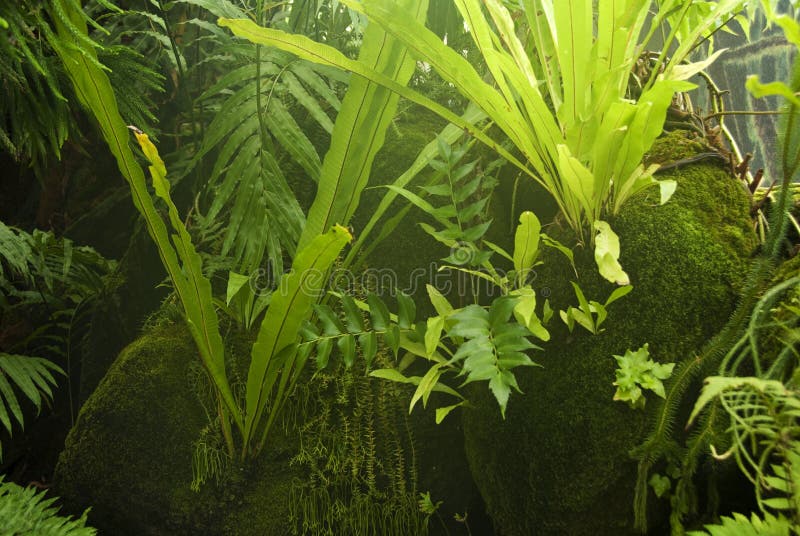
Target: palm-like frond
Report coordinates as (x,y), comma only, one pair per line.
(253,135)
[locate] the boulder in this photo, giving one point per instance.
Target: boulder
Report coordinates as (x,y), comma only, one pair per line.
(559,463)
(129,455)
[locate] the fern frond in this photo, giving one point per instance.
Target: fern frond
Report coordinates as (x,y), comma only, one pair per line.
(247,175)
(32,376)
(740,525)
(27,511)
(134,82)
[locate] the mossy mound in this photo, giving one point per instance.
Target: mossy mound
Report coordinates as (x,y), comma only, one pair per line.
(129,455)
(559,463)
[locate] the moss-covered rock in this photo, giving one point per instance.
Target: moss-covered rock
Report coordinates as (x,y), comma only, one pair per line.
(559,463)
(129,455)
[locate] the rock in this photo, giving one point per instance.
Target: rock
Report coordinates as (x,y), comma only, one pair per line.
(559,463)
(129,455)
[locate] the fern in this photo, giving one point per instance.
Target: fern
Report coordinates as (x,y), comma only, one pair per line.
(740,525)
(762,426)
(33,376)
(53,284)
(360,460)
(253,135)
(25,511)
(36,115)
(459,203)
(34,101)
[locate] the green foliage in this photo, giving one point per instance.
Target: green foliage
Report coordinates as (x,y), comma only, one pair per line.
(35,111)
(735,344)
(492,347)
(32,376)
(486,343)
(40,269)
(636,372)
(426,504)
(210,460)
(276,363)
(52,283)
(352,334)
(185,269)
(243,301)
(595,138)
(358,448)
(25,511)
(763,427)
(739,525)
(253,132)
(34,102)
(459,204)
(606,254)
(590,314)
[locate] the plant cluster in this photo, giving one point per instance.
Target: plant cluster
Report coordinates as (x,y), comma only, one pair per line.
(566,93)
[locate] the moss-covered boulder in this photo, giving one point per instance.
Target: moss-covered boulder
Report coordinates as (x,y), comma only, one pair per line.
(129,455)
(560,463)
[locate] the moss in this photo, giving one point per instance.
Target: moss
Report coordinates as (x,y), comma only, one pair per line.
(674,145)
(129,454)
(559,463)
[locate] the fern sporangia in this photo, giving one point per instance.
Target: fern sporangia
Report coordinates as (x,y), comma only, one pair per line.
(717,354)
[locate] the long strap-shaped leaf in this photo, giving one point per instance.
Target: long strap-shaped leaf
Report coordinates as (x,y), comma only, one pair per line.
(96,94)
(321,54)
(360,127)
(291,304)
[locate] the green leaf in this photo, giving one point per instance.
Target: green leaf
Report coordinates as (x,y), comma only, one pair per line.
(470,322)
(324,348)
(369,346)
(425,387)
(390,374)
(759,89)
(433,333)
(95,92)
(392,336)
(667,187)
(291,305)
(443,412)
(525,313)
(661,484)
(526,244)
(331,325)
(439,302)
(501,390)
(407,310)
(791,28)
(347,345)
(379,313)
(355,323)
(618,293)
(606,254)
(235,284)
